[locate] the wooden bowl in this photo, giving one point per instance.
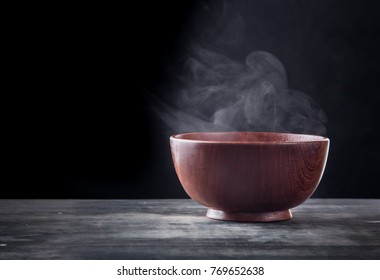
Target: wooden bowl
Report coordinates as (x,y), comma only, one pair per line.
(249,176)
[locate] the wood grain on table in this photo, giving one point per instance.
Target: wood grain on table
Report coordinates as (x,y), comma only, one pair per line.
(178,229)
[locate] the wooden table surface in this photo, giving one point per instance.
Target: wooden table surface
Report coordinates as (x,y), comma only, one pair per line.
(178,229)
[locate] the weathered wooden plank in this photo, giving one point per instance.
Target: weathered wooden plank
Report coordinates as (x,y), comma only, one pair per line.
(178,229)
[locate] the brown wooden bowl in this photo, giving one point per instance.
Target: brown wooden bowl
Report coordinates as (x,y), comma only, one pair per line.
(249,176)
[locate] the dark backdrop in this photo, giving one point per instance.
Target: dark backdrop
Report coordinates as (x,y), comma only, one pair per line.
(80,127)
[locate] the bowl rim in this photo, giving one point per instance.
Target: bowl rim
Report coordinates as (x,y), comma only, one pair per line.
(315,138)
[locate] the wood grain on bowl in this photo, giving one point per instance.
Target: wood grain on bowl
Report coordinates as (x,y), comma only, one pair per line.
(250,173)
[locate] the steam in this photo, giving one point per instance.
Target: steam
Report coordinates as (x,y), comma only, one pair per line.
(222,94)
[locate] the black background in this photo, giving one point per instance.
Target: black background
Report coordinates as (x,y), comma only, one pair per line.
(78,124)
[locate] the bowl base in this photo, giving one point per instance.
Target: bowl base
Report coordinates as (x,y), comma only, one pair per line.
(249,217)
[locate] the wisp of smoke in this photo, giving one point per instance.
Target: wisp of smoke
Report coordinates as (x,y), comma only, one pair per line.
(220,94)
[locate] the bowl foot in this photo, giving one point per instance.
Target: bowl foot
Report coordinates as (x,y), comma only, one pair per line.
(249,217)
